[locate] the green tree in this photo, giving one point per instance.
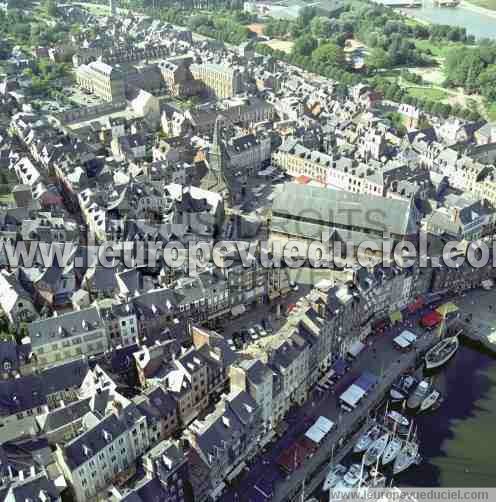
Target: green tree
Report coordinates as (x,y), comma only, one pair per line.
(50,7)
(378,59)
(328,53)
(321,27)
(304,45)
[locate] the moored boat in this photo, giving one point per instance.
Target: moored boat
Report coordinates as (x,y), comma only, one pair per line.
(442,352)
(398,418)
(406,457)
(355,475)
(366,439)
(392,450)
(418,395)
(376,449)
(430,400)
(397,395)
(334,476)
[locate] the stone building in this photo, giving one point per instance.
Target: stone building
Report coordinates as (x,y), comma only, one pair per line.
(102,80)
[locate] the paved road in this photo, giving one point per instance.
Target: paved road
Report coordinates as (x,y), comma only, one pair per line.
(380,358)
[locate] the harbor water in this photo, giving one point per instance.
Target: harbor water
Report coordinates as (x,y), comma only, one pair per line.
(476,23)
(457,440)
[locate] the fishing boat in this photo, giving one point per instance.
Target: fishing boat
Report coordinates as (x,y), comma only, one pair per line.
(418,395)
(376,449)
(366,439)
(398,418)
(334,476)
(406,457)
(392,450)
(402,388)
(430,400)
(442,352)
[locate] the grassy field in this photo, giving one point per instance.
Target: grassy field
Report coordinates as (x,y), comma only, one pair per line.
(437,49)
(428,93)
(281,45)
(487,4)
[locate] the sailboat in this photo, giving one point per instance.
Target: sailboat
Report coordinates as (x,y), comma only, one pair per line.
(398,418)
(366,439)
(334,476)
(376,449)
(408,454)
(406,457)
(392,450)
(355,475)
(430,400)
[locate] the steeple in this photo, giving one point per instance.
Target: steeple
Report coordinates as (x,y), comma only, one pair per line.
(217,152)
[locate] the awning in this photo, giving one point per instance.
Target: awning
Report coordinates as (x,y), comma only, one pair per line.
(396,316)
(319,429)
(402,342)
(379,324)
(356,348)
(431,319)
(352,395)
(292,458)
(408,335)
(447,308)
(303,180)
(238,310)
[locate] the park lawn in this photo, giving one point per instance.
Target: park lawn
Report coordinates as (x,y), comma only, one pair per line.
(437,48)
(280,45)
(487,4)
(430,93)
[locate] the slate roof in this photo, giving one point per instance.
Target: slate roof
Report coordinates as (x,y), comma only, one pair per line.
(94,440)
(64,415)
(368,215)
(61,327)
(21,394)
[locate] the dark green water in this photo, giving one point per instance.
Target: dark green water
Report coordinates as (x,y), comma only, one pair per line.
(458,440)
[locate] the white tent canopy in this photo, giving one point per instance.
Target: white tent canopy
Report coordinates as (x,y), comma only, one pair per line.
(319,429)
(352,395)
(408,335)
(402,342)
